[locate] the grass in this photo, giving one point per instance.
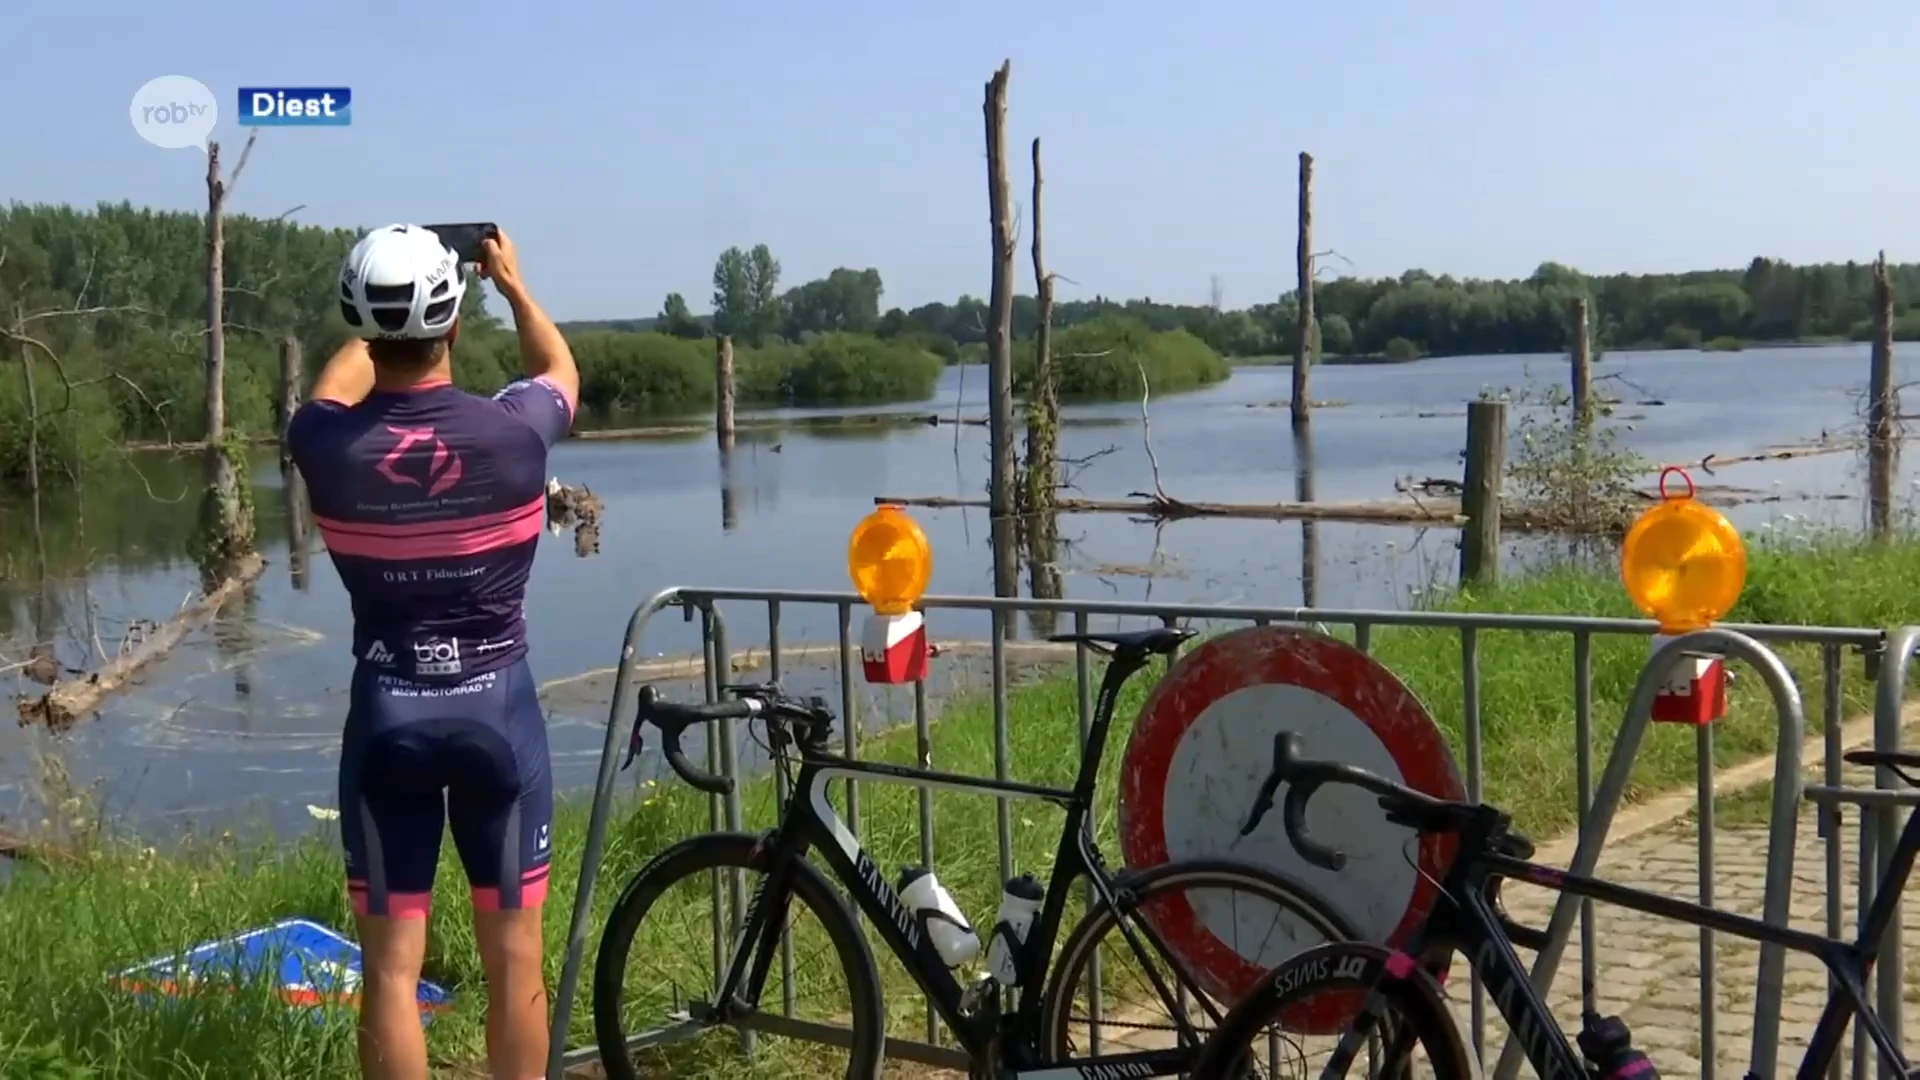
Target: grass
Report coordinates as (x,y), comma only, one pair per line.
(64,927)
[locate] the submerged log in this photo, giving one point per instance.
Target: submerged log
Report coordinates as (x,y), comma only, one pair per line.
(70,700)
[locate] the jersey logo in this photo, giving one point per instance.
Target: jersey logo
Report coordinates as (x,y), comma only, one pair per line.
(443,470)
(377,653)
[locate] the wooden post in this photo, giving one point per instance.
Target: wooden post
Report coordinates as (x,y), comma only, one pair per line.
(1582,365)
(1000,494)
(1480,495)
(1303,256)
(1043,401)
(1883,408)
(723,390)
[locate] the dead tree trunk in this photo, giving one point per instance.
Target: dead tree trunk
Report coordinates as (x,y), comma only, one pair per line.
(1883,407)
(1000,494)
(33,424)
(723,391)
(291,380)
(292,484)
(1043,401)
(1309,529)
(1582,365)
(1303,258)
(226,528)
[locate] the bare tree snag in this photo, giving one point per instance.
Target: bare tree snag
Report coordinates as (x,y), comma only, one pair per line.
(1309,529)
(293,485)
(75,698)
(723,391)
(1043,399)
(291,381)
(1883,407)
(1303,258)
(226,525)
(1000,493)
(1582,365)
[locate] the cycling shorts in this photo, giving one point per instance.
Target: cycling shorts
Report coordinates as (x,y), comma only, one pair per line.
(417,757)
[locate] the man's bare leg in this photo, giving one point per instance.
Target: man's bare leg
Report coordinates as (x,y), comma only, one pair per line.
(510,951)
(392,1044)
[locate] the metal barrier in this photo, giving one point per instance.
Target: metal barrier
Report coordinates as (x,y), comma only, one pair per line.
(1890,653)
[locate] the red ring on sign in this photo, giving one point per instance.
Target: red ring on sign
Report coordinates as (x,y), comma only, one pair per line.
(1683,475)
(1267,655)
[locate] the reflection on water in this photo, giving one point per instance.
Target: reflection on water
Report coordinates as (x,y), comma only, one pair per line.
(251,710)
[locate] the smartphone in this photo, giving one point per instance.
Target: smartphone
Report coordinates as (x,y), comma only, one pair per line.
(464,238)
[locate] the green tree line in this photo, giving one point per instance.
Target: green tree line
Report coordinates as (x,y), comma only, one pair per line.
(1416,313)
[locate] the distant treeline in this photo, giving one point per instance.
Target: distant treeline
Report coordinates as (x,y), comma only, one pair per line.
(1414,314)
(109,305)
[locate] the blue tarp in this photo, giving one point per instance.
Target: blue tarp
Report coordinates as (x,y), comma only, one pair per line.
(315,965)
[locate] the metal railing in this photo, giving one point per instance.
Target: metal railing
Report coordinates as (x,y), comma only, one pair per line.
(1886,656)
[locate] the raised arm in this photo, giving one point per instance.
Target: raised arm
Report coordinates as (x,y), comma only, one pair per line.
(543,351)
(347,377)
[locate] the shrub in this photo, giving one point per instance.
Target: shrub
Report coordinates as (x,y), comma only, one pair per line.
(1680,337)
(1400,348)
(1103,359)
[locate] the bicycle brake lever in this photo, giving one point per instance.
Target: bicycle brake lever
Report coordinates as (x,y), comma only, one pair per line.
(633,747)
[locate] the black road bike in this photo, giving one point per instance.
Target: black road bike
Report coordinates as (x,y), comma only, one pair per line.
(1033,1036)
(1405,1001)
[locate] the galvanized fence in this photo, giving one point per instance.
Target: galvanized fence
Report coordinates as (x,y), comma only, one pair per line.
(1885,655)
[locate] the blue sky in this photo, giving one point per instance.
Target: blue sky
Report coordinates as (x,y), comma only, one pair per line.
(624,144)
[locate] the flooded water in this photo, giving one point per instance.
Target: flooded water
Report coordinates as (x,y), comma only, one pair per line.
(241,724)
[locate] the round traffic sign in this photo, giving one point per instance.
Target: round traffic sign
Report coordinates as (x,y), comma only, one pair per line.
(1193,767)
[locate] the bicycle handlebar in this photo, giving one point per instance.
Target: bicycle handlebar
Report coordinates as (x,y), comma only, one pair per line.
(1303,778)
(673,719)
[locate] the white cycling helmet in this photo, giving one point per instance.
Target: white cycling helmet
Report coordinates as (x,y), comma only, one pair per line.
(401,281)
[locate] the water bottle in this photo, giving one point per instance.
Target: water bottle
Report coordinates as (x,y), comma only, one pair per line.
(1019,903)
(944,922)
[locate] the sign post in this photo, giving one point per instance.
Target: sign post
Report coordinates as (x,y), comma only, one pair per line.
(1684,565)
(891,563)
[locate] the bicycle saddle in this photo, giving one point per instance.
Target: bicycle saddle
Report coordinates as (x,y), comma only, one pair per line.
(1154,640)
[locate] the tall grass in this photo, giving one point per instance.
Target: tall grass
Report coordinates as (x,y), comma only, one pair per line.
(64,927)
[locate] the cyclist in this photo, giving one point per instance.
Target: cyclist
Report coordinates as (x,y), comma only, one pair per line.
(431,501)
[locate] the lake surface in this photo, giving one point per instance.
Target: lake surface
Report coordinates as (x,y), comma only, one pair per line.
(241,724)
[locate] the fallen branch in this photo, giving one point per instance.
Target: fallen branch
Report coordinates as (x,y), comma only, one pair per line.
(68,701)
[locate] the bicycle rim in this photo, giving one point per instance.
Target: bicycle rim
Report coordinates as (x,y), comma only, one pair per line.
(660,963)
(1405,1029)
(1261,916)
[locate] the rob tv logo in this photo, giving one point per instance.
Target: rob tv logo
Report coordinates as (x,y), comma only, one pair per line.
(295,106)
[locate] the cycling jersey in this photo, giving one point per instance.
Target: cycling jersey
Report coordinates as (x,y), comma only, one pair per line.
(431,503)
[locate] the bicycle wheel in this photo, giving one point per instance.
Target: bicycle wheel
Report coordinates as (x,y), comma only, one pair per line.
(1221,922)
(1408,1024)
(647,1023)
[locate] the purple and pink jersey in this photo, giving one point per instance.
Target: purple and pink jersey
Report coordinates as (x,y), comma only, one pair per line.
(431,503)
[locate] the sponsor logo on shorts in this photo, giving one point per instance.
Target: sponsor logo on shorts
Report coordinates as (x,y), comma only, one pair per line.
(437,657)
(378,653)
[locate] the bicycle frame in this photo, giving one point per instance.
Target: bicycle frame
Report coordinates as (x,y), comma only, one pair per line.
(811,823)
(1470,925)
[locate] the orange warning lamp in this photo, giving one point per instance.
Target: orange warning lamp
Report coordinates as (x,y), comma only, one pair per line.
(891,564)
(1683,563)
